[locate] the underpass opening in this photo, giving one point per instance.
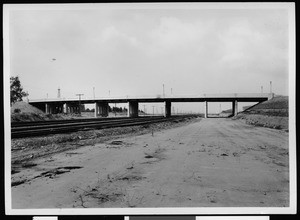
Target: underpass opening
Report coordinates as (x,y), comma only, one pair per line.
(148,109)
(219,109)
(226,109)
(186,108)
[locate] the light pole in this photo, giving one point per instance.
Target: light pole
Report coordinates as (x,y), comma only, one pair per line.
(79,102)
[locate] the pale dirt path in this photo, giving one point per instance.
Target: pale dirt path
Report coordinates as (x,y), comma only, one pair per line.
(214,162)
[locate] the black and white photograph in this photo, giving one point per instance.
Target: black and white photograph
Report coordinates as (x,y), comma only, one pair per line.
(149,108)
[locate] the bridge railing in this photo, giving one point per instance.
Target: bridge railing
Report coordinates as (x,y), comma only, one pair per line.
(216,95)
(238,95)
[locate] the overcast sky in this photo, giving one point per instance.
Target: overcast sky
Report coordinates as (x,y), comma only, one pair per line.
(134,51)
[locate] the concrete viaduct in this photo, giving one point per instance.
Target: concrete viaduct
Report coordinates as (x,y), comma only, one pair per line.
(53,106)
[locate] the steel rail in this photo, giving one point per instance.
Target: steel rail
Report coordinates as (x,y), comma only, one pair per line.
(48,122)
(76,123)
(67,128)
(35,123)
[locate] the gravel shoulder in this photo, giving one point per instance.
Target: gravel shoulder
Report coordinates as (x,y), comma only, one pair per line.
(204,163)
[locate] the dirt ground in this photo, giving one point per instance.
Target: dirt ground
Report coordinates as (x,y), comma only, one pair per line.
(214,162)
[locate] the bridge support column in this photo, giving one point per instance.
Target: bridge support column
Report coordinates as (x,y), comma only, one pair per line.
(133,109)
(167,109)
(96,112)
(47,108)
(61,108)
(58,108)
(101,109)
(234,108)
(205,109)
(65,108)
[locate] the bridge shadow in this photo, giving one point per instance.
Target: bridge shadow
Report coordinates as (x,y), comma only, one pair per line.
(219,116)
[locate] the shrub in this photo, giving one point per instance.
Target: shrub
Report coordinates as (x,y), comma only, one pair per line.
(17,110)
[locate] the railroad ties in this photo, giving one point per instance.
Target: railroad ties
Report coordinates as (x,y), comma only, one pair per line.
(30,129)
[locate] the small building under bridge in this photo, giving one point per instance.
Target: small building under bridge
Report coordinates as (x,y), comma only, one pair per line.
(54,106)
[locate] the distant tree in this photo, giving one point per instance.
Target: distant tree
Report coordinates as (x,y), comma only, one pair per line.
(16,90)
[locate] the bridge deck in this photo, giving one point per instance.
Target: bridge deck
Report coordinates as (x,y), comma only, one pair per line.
(245,97)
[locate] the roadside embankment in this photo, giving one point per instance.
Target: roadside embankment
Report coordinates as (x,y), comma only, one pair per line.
(22,111)
(272,114)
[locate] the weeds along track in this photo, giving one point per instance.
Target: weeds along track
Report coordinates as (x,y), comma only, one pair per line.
(30,129)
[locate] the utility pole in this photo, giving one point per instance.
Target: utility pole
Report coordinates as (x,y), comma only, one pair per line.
(58,93)
(270,86)
(79,102)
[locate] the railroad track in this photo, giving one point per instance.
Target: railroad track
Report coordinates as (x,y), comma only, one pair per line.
(30,129)
(67,121)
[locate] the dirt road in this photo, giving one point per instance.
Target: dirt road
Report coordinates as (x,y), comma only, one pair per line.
(212,162)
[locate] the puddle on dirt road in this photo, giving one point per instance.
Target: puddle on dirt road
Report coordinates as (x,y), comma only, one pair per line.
(132,178)
(27,165)
(118,144)
(18,182)
(72,153)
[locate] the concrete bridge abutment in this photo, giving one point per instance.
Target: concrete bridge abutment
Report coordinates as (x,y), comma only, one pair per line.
(167,109)
(101,109)
(133,109)
(205,109)
(54,108)
(234,107)
(71,108)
